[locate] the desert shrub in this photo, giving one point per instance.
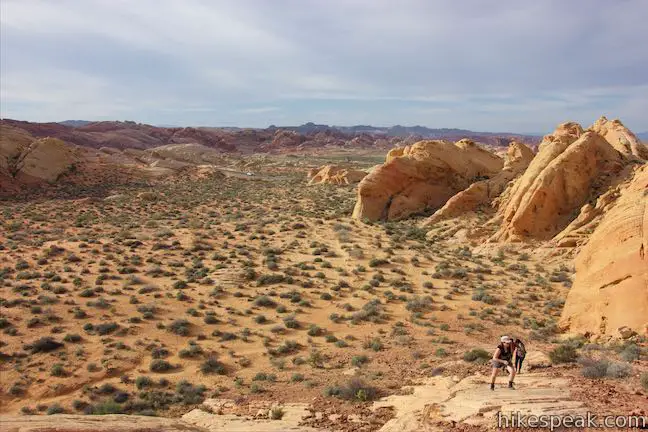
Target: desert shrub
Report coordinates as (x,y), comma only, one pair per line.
(72,337)
(159,366)
(270,279)
(315,330)
(142,382)
(276,413)
(192,351)
(106,328)
(631,353)
(262,376)
(644,380)
(297,377)
(359,360)
(55,409)
(180,327)
(419,304)
(564,353)
(106,407)
(57,370)
(189,393)
(212,366)
(354,389)
(265,301)
(618,370)
(603,368)
(44,345)
(376,262)
(477,355)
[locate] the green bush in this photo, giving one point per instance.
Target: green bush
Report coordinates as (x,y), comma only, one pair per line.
(477,355)
(563,354)
(644,380)
(159,366)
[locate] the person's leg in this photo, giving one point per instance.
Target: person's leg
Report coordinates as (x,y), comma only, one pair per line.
(493,375)
(511,371)
(521,360)
(518,362)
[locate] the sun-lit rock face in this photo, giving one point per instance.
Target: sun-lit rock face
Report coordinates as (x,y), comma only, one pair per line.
(331,174)
(482,193)
(572,168)
(611,286)
(423,175)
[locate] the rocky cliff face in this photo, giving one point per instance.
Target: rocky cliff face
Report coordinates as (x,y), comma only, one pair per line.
(611,286)
(482,193)
(572,168)
(423,175)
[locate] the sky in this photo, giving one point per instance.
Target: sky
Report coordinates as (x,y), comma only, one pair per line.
(500,65)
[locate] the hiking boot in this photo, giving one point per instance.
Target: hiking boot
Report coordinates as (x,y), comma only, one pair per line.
(511,385)
(492,386)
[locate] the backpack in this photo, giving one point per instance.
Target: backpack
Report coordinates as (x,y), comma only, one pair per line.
(521,349)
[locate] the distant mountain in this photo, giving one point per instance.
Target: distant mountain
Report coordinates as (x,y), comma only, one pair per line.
(129,134)
(75,123)
(643,136)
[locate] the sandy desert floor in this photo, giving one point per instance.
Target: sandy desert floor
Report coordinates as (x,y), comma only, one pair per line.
(261,288)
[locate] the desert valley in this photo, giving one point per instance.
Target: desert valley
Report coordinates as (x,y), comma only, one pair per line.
(318,279)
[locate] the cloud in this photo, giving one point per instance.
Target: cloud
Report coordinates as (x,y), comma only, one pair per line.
(491,66)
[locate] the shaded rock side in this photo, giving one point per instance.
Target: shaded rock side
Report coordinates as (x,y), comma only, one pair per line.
(611,286)
(423,175)
(517,159)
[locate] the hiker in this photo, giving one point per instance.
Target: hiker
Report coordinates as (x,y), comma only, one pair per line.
(502,359)
(520,353)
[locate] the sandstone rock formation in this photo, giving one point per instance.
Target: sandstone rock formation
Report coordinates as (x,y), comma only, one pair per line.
(33,161)
(611,286)
(573,167)
(331,174)
(423,175)
(620,137)
(517,159)
(100,423)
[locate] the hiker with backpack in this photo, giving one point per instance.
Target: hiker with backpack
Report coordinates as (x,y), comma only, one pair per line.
(520,353)
(503,359)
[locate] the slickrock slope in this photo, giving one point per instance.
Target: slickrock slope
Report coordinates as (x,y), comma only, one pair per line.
(99,423)
(331,174)
(441,402)
(423,175)
(573,167)
(517,159)
(611,286)
(30,160)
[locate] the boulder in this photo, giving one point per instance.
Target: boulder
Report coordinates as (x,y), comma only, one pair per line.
(517,159)
(620,137)
(331,174)
(421,176)
(569,168)
(29,160)
(610,288)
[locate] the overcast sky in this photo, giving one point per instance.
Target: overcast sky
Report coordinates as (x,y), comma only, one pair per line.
(488,65)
